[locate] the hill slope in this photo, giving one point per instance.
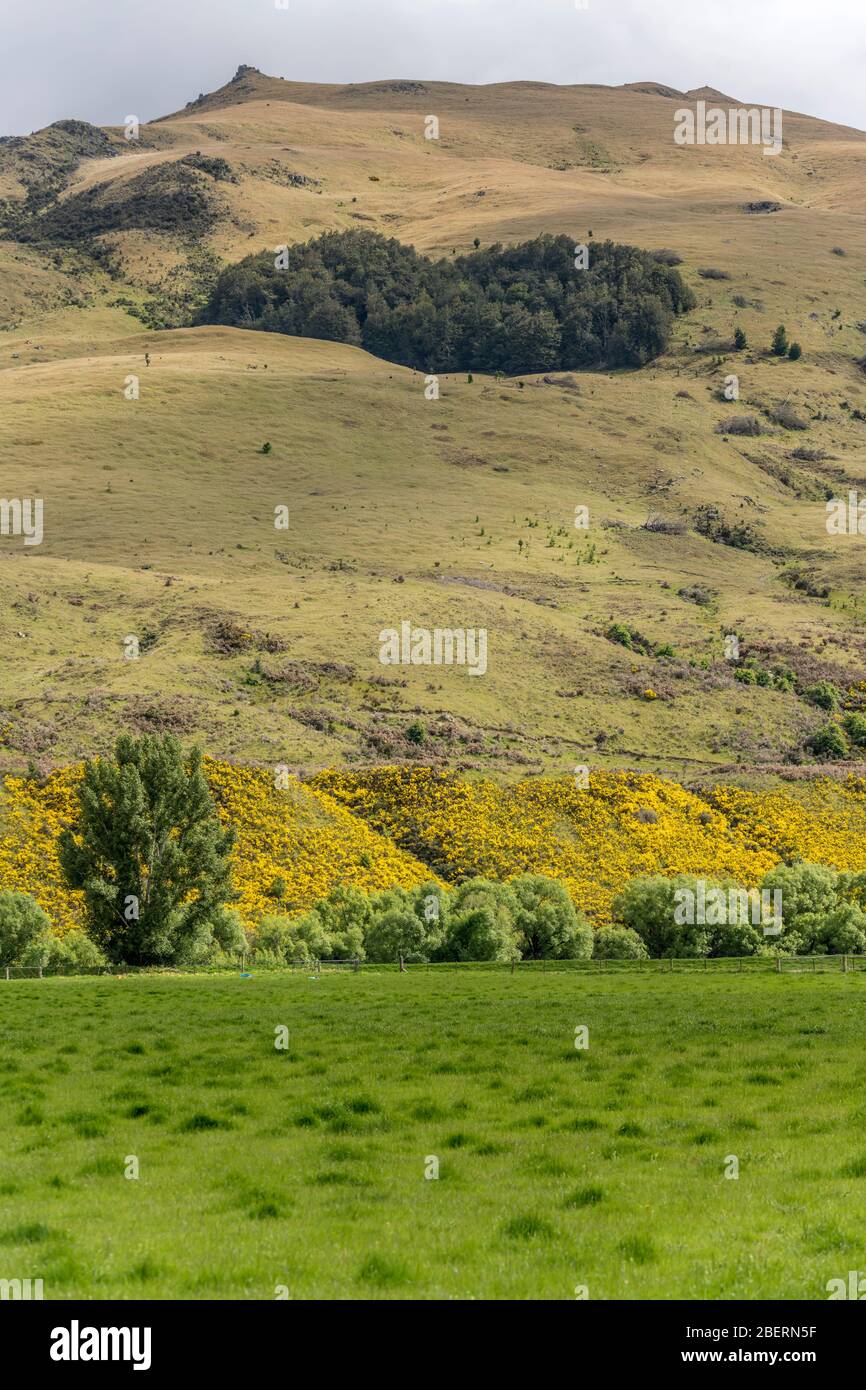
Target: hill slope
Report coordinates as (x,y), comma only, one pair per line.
(451,512)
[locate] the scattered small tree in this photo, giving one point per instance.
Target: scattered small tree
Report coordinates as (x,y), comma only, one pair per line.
(855,728)
(780,341)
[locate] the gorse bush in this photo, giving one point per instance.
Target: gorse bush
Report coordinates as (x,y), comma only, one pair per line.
(523,308)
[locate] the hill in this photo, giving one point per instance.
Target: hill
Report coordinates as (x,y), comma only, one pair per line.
(607,644)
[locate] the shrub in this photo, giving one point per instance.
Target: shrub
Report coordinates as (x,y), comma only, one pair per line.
(795,352)
(855,728)
(618,943)
(740,339)
(618,632)
(824,694)
(23,928)
(709,521)
(697,593)
(481,923)
(547,922)
(829,743)
(664,525)
(787,416)
(710,272)
(74,951)
(739,424)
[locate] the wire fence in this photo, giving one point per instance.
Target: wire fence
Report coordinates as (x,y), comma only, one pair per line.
(688,965)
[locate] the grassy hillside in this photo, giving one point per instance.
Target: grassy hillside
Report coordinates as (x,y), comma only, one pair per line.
(457,512)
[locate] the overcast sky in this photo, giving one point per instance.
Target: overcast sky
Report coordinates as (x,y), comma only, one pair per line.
(101,60)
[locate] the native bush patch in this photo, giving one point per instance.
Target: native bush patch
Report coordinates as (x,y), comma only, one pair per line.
(524,308)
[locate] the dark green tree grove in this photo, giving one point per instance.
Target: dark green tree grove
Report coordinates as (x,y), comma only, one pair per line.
(525,308)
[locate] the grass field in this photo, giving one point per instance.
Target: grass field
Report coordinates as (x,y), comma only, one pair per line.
(559,1167)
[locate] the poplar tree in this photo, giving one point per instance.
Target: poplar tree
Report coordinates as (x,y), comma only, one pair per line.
(149,854)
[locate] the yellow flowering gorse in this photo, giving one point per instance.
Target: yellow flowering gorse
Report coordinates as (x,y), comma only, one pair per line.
(404,825)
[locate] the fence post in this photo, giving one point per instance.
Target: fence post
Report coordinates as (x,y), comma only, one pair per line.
(357,964)
(778,965)
(402,966)
(7,972)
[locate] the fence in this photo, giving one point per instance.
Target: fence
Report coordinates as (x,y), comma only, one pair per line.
(689,965)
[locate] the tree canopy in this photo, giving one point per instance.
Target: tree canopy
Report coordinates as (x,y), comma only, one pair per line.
(525,308)
(149,853)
